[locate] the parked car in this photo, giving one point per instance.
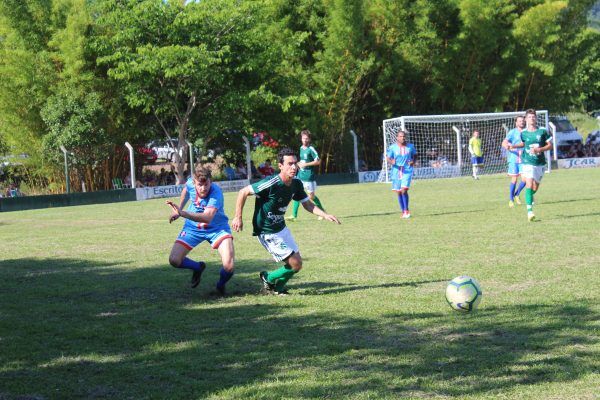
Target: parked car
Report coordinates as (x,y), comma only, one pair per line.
(144,154)
(566,135)
(165,150)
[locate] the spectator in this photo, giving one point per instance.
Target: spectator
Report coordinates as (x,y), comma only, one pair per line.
(266,169)
(362,166)
(255,173)
(240,172)
(13,191)
(171,177)
(162,177)
(229,172)
(149,178)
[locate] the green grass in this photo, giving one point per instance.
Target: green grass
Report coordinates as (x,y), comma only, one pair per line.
(89,307)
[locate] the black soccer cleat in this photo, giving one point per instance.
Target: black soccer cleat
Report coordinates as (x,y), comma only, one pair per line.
(197,275)
(221,290)
(266,284)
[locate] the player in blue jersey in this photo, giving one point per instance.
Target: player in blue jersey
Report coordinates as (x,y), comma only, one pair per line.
(402,156)
(513,157)
(205,219)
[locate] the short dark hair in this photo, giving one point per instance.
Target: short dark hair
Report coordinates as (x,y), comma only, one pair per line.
(201,172)
(305,132)
(519,116)
(531,111)
(286,151)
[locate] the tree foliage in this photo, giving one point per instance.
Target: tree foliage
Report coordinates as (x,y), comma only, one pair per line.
(91,75)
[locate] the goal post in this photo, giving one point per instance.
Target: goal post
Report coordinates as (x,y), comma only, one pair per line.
(442,142)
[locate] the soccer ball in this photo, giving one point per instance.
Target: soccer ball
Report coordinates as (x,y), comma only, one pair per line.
(463,293)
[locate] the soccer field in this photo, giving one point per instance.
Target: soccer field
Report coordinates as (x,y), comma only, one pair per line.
(90,308)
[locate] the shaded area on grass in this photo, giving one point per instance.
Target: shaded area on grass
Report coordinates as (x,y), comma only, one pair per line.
(325,288)
(111,333)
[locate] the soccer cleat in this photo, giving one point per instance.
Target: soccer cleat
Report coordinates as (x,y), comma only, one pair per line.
(197,275)
(221,290)
(517,200)
(282,292)
(406,215)
(266,284)
(511,204)
(531,216)
(291,218)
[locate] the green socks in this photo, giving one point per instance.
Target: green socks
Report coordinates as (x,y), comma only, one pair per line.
(296,205)
(318,203)
(295,209)
(529,199)
(280,275)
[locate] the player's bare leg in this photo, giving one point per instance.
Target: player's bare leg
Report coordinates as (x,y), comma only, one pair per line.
(178,259)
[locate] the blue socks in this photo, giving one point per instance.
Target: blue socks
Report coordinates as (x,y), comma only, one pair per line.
(512,191)
(521,186)
(190,264)
(225,277)
(401,202)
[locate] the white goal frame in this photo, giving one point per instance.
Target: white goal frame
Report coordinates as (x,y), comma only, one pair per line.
(455,130)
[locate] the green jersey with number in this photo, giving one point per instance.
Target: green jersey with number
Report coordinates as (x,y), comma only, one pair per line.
(272,199)
(307,154)
(532,139)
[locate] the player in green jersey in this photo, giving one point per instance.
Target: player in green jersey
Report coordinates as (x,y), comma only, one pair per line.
(309,159)
(535,142)
(273,195)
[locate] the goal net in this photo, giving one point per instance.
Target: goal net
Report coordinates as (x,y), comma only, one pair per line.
(442,142)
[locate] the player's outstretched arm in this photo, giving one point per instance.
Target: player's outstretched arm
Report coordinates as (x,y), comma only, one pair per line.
(311,208)
(236,223)
(204,217)
(182,200)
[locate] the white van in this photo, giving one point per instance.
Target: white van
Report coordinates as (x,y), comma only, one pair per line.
(566,135)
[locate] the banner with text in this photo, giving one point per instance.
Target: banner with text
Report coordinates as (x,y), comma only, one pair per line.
(588,162)
(157,192)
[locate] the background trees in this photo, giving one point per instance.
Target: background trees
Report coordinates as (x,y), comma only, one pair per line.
(92,74)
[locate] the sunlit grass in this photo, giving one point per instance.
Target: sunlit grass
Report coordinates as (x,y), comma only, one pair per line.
(90,308)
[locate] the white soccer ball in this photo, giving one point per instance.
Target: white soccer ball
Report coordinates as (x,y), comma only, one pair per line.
(463,293)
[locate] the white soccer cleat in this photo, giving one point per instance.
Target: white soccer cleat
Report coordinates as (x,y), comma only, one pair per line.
(530,216)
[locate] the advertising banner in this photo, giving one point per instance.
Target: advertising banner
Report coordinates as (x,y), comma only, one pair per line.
(156,192)
(588,162)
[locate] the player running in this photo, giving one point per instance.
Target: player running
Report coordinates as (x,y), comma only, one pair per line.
(402,156)
(535,141)
(273,195)
(514,161)
(309,159)
(205,219)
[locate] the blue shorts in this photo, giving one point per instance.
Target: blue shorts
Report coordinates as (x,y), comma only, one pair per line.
(514,169)
(476,160)
(402,181)
(191,237)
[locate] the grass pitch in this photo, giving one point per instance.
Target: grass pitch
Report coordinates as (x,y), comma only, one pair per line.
(90,308)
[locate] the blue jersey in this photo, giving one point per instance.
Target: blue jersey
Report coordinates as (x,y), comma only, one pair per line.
(214,199)
(514,137)
(402,156)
